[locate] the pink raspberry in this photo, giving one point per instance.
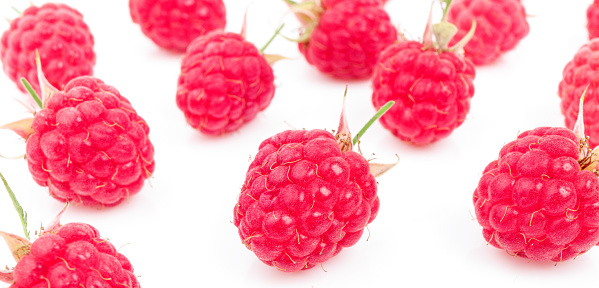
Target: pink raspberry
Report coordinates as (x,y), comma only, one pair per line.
(224,82)
(73,256)
(174,24)
(501,24)
(348,36)
(535,201)
(62,39)
(578,74)
(430,83)
(593,19)
(304,200)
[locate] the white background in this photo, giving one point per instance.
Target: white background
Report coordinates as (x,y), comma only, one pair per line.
(178,229)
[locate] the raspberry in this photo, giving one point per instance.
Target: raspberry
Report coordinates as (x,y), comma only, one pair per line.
(306,196)
(535,201)
(431,86)
(593,19)
(174,24)
(62,39)
(348,37)
(87,144)
(224,82)
(501,24)
(577,74)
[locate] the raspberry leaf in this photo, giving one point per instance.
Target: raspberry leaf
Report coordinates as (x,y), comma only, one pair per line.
(7,276)
(18,245)
(55,223)
(22,214)
(343,135)
(377,169)
(23,128)
(45,86)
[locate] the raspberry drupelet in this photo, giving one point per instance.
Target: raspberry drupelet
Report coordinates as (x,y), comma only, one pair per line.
(432,87)
(577,75)
(174,24)
(344,38)
(62,39)
(593,19)
(224,82)
(501,24)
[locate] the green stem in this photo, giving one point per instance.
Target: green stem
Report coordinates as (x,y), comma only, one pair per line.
(17,10)
(32,92)
(376,116)
(272,38)
(22,214)
(446,8)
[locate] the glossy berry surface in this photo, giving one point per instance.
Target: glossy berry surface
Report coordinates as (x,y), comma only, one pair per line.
(74,256)
(224,82)
(535,202)
(577,75)
(500,25)
(303,200)
(431,91)
(349,38)
(61,37)
(593,19)
(174,24)
(89,145)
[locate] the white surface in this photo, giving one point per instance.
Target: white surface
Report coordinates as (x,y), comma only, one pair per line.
(180,229)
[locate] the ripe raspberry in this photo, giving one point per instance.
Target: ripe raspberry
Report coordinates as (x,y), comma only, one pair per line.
(501,24)
(174,24)
(345,37)
(577,74)
(306,197)
(431,86)
(71,255)
(593,19)
(224,82)
(62,39)
(87,144)
(535,201)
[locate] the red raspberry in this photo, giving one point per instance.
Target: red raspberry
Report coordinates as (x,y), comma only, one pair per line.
(224,82)
(304,200)
(73,256)
(501,24)
(306,196)
(348,37)
(62,39)
(593,19)
(87,144)
(174,24)
(578,74)
(535,201)
(432,91)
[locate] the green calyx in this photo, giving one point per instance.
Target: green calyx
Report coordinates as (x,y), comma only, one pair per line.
(22,214)
(308,13)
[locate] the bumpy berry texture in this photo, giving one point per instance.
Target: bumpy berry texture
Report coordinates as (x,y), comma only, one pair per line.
(500,25)
(349,38)
(535,202)
(58,33)
(593,19)
(174,24)
(224,83)
(304,200)
(73,256)
(431,90)
(89,145)
(577,75)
